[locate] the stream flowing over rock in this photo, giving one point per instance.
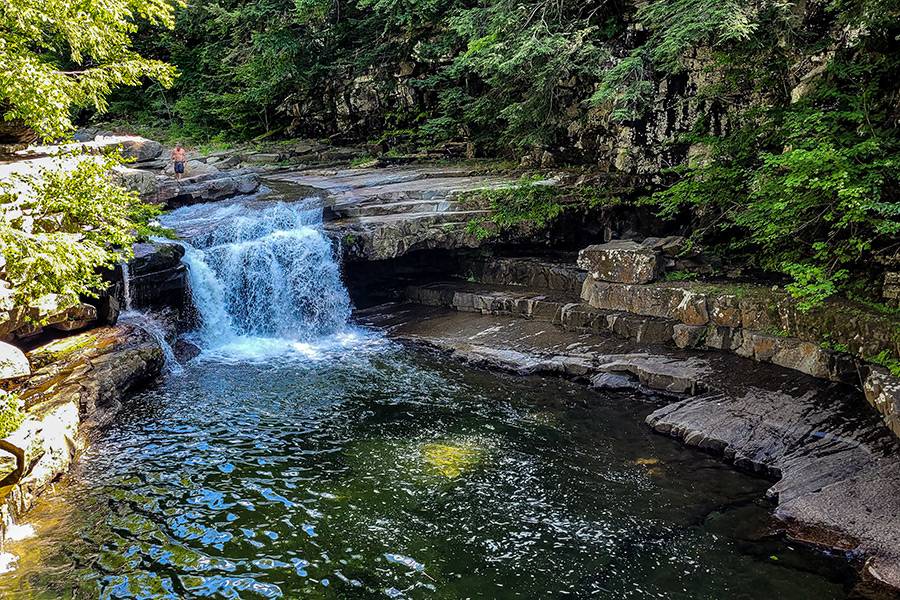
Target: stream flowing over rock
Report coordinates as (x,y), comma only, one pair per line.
(379,214)
(261,269)
(255,285)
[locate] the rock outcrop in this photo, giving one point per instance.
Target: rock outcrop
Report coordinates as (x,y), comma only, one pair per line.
(157,277)
(832,342)
(378,214)
(49,312)
(206,185)
(78,382)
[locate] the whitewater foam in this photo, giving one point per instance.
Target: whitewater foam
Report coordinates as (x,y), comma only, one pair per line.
(264,281)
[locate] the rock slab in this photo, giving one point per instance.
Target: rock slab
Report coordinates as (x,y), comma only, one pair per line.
(78,381)
(621,261)
(836,465)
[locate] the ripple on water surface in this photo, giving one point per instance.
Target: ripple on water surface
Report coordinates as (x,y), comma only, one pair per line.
(383,473)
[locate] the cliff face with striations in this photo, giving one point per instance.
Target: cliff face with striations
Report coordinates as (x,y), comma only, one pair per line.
(637,131)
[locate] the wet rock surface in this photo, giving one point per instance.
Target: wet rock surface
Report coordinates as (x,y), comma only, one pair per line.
(838,475)
(157,277)
(78,382)
(379,214)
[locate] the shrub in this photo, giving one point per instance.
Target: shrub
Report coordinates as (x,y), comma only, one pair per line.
(61,226)
(11,414)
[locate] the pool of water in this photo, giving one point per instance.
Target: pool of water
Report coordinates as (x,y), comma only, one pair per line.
(379,471)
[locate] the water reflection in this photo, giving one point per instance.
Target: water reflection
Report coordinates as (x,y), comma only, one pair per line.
(388,474)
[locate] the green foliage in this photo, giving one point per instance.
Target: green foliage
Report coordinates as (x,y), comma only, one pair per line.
(533,202)
(530,202)
(64,226)
(498,73)
(676,27)
(803,187)
(808,190)
(520,68)
(144,224)
(680,276)
(59,54)
(886,360)
(11,414)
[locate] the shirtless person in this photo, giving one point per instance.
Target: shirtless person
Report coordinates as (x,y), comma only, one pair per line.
(179,156)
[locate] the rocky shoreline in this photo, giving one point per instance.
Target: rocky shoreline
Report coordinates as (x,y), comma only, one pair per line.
(837,480)
(77,384)
(736,368)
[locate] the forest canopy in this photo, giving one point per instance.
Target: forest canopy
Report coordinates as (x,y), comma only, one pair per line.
(56,55)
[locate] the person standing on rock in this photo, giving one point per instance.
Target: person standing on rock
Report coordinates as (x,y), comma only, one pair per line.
(179,156)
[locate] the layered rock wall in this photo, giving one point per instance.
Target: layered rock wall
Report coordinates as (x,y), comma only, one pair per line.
(78,382)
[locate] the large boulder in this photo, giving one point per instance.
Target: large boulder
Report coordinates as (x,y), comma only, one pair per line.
(13,362)
(206,188)
(140,149)
(143,182)
(621,261)
(193,168)
(73,318)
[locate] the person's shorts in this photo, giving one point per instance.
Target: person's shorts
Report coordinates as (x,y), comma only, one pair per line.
(179,167)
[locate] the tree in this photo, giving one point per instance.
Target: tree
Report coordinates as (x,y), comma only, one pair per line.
(59,228)
(70,223)
(56,55)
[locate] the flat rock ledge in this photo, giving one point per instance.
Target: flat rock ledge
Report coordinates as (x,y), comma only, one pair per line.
(77,383)
(835,342)
(836,466)
(379,214)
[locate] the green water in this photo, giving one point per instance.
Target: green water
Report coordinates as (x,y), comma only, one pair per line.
(384,472)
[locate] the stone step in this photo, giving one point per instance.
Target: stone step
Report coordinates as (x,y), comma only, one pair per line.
(365,209)
(532,272)
(568,313)
(557,308)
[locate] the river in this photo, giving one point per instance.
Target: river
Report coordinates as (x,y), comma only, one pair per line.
(301,456)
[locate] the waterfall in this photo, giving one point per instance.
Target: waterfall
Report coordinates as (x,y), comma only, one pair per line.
(262,274)
(148,323)
(126,286)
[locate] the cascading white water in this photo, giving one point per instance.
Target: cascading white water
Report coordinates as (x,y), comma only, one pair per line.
(126,286)
(147,322)
(261,272)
